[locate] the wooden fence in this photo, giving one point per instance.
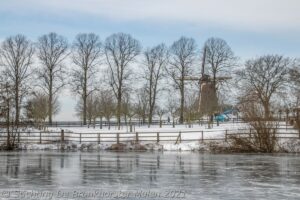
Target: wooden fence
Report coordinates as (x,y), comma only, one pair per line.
(113,123)
(176,137)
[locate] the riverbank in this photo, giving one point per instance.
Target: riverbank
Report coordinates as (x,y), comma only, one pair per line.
(216,139)
(284,146)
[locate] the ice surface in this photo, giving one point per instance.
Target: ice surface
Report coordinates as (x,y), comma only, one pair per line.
(198,176)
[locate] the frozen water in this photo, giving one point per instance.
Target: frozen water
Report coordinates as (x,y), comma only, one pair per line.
(148,175)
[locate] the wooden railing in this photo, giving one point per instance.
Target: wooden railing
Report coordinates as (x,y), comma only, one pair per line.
(176,137)
(112,123)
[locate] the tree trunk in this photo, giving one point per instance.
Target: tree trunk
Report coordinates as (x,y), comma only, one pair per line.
(50,110)
(50,100)
(84,97)
(160,122)
(101,122)
(119,108)
(143,120)
(108,124)
(84,108)
(266,109)
(130,125)
(150,117)
(150,100)
(17,104)
(181,119)
(215,81)
(8,125)
(89,122)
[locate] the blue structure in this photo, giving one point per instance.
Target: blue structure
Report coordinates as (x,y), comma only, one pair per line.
(224,116)
(220,118)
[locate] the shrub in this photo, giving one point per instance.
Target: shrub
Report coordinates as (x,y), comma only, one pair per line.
(262,136)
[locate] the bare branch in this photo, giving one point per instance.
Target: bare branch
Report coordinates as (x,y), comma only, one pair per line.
(52,49)
(86,55)
(120,50)
(183,55)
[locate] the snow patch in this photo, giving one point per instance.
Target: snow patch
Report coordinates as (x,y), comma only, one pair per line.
(193,146)
(291,145)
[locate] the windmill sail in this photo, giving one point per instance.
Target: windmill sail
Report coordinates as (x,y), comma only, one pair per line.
(203,62)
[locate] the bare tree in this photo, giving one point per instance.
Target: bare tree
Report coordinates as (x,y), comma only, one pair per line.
(141,107)
(91,109)
(294,76)
(183,54)
(16,57)
(108,105)
(87,50)
(51,51)
(92,113)
(155,61)
(128,111)
(37,108)
(294,73)
(219,57)
(191,106)
(263,133)
(173,109)
(6,105)
(126,106)
(294,93)
(263,77)
(160,112)
(120,51)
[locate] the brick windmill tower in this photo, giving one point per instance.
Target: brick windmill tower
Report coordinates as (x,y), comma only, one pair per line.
(208,99)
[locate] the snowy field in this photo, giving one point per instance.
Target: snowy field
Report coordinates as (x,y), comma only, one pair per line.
(166,134)
(182,137)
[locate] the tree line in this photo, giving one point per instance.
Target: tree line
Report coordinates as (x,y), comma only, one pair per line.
(118,78)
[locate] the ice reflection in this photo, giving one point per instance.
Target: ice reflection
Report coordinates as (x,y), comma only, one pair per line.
(200,175)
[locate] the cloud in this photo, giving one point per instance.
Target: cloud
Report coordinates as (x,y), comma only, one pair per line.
(253,15)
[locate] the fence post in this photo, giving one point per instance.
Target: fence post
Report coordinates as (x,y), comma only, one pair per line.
(118,138)
(299,133)
(179,137)
(101,123)
(202,138)
(157,137)
(18,137)
(98,138)
(225,135)
(136,137)
(40,137)
(79,138)
(62,136)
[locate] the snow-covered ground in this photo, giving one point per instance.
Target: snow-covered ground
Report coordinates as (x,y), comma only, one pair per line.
(145,134)
(192,138)
(166,133)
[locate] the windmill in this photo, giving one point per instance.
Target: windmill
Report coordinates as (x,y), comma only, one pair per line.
(208,100)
